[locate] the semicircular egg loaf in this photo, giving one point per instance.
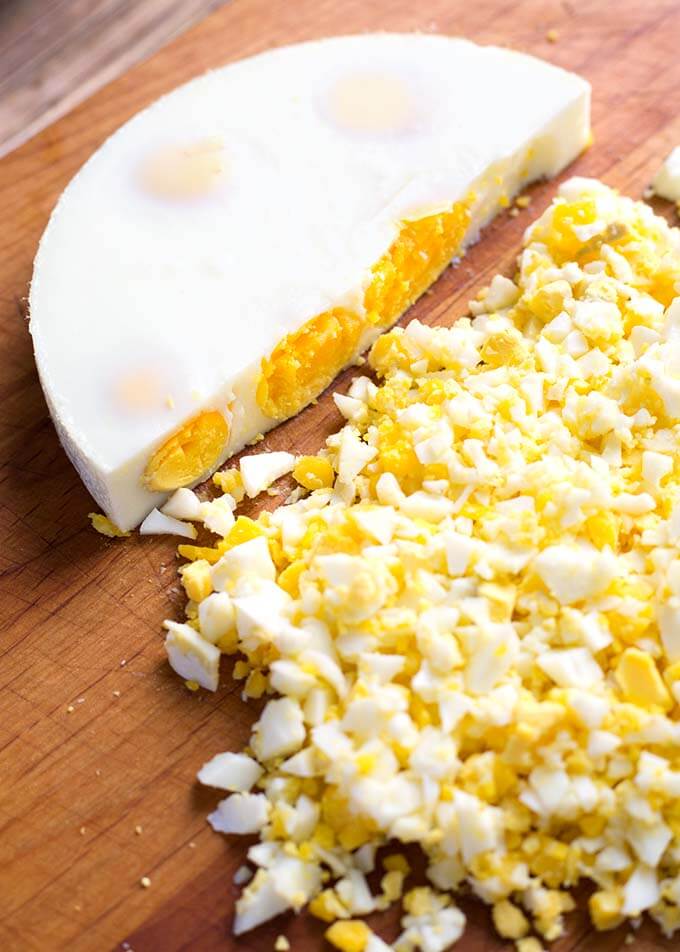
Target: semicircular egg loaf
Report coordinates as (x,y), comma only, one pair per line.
(221,257)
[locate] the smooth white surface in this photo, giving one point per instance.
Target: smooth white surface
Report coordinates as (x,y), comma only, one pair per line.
(147,307)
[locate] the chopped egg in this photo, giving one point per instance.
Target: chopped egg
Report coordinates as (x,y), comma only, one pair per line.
(240,813)
(183,504)
(467,630)
(258,472)
(203,277)
(157,523)
(666,182)
(103,525)
(218,514)
(191,656)
(235,772)
(280,729)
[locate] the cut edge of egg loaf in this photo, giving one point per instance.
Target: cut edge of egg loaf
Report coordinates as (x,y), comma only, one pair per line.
(430,222)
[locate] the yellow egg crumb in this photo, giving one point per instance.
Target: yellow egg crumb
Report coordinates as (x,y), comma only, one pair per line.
(194,552)
(230,481)
(313,472)
(509,921)
(640,680)
(419,901)
(104,526)
(241,670)
(605,910)
(349,936)
(289,579)
(529,944)
(242,530)
(256,684)
(397,862)
(196,579)
(326,906)
(392,885)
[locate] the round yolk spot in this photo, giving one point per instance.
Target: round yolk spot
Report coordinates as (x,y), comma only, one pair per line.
(305,362)
(189,453)
(371,102)
(138,391)
(183,172)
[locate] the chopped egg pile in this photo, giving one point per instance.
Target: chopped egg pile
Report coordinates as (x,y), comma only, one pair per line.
(465,627)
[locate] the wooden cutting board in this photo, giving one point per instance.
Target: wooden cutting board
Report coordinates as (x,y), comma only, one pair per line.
(99,741)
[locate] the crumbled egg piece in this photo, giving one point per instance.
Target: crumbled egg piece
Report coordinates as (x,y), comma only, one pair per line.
(667,180)
(468,631)
(157,523)
(240,813)
(260,470)
(191,656)
(183,504)
(103,525)
(235,772)
(218,514)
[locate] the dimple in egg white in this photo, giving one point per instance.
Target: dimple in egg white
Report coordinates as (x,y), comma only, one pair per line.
(220,258)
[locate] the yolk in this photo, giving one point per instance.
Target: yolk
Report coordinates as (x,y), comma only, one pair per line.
(189,453)
(371,102)
(305,362)
(420,253)
(185,172)
(564,244)
(139,390)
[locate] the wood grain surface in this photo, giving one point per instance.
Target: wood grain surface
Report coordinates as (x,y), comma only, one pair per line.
(55,53)
(99,741)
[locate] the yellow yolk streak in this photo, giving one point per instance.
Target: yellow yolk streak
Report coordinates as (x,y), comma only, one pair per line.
(305,362)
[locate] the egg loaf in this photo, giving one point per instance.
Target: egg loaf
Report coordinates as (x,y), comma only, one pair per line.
(222,256)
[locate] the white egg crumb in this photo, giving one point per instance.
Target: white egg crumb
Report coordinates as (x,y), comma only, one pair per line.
(183,504)
(218,514)
(260,470)
(240,813)
(280,729)
(666,182)
(235,772)
(216,616)
(157,523)
(248,561)
(471,640)
(191,656)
